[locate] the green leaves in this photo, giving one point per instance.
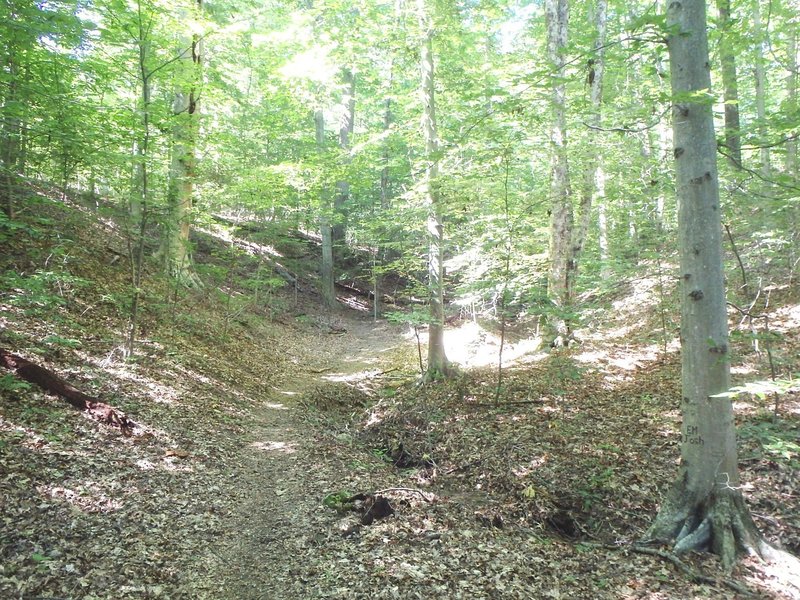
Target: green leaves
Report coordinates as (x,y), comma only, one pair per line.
(9,383)
(763,389)
(336,501)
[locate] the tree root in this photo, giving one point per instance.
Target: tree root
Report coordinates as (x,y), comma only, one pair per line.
(719,522)
(693,574)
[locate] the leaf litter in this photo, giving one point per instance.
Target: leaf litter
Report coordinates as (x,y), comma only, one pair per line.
(220,493)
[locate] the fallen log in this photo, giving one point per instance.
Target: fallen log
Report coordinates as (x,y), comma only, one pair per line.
(50,382)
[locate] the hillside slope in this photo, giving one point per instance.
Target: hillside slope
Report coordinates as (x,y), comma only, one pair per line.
(253,411)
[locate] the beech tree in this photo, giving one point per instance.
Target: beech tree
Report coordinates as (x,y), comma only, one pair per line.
(346,123)
(730,84)
(438,365)
(185,110)
(562,264)
(705,509)
(325,228)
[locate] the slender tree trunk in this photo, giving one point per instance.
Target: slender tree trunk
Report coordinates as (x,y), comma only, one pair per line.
(705,509)
(562,266)
(730,86)
(381,252)
(139,197)
(602,222)
(664,133)
(652,181)
(326,231)
(346,122)
(594,164)
(791,98)
(761,90)
(139,175)
(9,152)
(175,248)
(438,365)
(791,144)
(22,155)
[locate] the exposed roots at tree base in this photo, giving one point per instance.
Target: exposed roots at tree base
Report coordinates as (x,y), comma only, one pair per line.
(688,571)
(448,371)
(719,523)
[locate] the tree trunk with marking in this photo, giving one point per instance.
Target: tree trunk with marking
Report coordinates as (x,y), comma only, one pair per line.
(705,509)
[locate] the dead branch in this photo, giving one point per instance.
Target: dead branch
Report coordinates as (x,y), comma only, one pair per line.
(403,489)
(50,382)
(507,403)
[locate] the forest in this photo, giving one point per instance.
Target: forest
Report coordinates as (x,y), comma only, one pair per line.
(399,299)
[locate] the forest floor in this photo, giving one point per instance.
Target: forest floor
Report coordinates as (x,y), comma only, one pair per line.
(253,425)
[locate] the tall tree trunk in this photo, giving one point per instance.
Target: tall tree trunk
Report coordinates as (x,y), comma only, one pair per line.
(602,223)
(791,98)
(705,509)
(381,251)
(761,90)
(593,173)
(9,149)
(24,132)
(664,134)
(730,86)
(140,193)
(326,231)
(438,365)
(562,266)
(139,184)
(175,242)
(346,122)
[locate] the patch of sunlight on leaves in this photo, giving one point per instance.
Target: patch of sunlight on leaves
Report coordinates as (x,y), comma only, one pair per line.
(274,446)
(87,497)
(763,389)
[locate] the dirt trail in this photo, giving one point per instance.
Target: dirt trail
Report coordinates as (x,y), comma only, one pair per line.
(277,520)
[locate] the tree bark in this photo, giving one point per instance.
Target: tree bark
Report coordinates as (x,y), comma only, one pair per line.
(705,509)
(791,98)
(730,86)
(381,251)
(175,249)
(438,364)
(562,267)
(9,150)
(346,122)
(761,90)
(52,383)
(326,231)
(141,184)
(593,184)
